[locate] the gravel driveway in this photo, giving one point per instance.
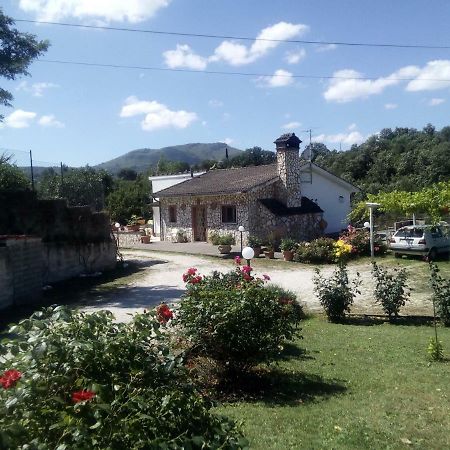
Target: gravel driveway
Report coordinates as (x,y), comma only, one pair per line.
(162,281)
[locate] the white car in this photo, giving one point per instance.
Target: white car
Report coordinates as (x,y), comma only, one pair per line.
(423,240)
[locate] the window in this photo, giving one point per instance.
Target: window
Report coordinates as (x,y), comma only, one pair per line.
(172,213)
(228,214)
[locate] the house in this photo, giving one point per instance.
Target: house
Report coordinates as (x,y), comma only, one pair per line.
(265,200)
(331,193)
(162,182)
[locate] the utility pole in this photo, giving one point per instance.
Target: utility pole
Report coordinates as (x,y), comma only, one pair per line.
(32,172)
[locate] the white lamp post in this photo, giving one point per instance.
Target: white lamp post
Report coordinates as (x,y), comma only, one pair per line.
(117,226)
(241,229)
(371,207)
(248,253)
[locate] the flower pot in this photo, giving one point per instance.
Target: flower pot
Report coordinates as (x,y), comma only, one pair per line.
(288,255)
(145,239)
(133,227)
(224,249)
(269,254)
(257,251)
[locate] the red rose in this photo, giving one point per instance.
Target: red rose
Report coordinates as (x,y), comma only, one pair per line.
(237,260)
(84,395)
(266,277)
(191,271)
(163,313)
(10,378)
(246,269)
(247,277)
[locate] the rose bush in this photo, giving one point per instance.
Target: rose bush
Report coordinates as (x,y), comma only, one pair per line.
(82,381)
(235,319)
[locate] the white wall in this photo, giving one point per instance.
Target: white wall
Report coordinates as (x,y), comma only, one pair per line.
(326,191)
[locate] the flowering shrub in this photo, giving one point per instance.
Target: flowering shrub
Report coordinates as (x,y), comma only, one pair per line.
(320,251)
(441,294)
(82,381)
(336,294)
(359,239)
(342,250)
(236,320)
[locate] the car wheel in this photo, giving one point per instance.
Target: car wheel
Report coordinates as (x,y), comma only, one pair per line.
(432,254)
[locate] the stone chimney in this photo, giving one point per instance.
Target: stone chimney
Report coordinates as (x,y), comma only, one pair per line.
(288,166)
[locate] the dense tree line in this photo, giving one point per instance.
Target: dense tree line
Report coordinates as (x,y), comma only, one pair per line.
(402,159)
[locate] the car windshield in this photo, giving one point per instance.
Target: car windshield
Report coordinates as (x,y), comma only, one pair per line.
(409,233)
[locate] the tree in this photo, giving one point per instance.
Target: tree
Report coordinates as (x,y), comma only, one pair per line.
(129,198)
(17,51)
(11,177)
(82,186)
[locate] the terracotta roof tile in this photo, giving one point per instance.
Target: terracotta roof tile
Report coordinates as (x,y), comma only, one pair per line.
(223,181)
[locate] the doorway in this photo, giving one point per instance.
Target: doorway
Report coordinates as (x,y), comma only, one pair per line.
(199,222)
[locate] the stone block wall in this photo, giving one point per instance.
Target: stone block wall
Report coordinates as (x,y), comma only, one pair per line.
(20,271)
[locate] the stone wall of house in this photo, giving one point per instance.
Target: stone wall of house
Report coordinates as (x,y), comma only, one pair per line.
(213,204)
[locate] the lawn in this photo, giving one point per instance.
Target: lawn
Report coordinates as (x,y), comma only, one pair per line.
(353,386)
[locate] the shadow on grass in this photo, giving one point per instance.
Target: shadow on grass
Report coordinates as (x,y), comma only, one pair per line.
(292,351)
(75,289)
(369,320)
(279,388)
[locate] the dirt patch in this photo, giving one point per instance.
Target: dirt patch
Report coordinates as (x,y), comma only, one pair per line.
(163,282)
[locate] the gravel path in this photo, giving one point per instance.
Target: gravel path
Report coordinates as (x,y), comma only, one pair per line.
(162,281)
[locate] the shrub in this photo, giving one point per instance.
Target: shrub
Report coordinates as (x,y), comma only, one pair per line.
(218,239)
(390,289)
(336,294)
(441,294)
(435,350)
(235,319)
(83,381)
(320,250)
(359,239)
(288,244)
(254,241)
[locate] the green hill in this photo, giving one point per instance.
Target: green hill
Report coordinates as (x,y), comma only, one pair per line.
(141,159)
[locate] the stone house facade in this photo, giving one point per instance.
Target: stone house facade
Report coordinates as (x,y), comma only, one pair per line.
(266,200)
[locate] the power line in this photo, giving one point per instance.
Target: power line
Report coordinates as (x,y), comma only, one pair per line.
(219,72)
(240,38)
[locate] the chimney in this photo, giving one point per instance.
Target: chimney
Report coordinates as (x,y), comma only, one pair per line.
(288,166)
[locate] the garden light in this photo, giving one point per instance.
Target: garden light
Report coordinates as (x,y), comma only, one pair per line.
(248,253)
(241,229)
(371,207)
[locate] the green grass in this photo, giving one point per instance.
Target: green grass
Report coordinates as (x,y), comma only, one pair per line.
(353,386)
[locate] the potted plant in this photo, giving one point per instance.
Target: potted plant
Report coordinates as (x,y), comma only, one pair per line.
(271,243)
(133,223)
(288,247)
(225,243)
(255,243)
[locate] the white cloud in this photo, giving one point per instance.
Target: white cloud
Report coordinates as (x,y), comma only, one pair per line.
(214,103)
(183,56)
(352,127)
(350,138)
(19,119)
(348,86)
(436,101)
(50,121)
(295,56)
(426,76)
(36,89)
(108,10)
(157,115)
(390,106)
(291,125)
(280,78)
(238,54)
(228,141)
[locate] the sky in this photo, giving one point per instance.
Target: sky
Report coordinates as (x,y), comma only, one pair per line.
(83,114)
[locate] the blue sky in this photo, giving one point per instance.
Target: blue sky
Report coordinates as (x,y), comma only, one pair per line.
(85,115)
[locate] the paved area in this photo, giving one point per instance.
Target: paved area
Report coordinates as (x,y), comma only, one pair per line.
(162,281)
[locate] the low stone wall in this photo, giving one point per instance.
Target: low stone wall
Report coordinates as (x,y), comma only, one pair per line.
(27,264)
(64,261)
(20,271)
(128,239)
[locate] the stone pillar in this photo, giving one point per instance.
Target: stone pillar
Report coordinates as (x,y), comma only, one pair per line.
(288,166)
